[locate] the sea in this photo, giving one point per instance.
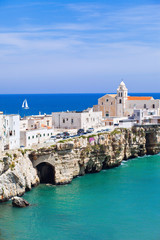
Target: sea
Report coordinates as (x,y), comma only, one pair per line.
(48,103)
(122,203)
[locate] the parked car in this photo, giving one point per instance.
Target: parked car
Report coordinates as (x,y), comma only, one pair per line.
(53,137)
(107,129)
(59,135)
(80,132)
(66,134)
(90,130)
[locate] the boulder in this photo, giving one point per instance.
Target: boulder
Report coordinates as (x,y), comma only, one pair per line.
(19,202)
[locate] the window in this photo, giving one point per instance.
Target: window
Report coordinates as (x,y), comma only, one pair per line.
(107,100)
(145,106)
(14,132)
(32,136)
(48,123)
(72,121)
(107,114)
(28,137)
(102,103)
(40,135)
(66,119)
(44,135)
(153,105)
(111,103)
(48,134)
(121,94)
(63,120)
(120,101)
(36,136)
(31,125)
(51,134)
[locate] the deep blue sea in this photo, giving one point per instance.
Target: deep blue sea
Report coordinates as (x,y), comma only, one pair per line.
(117,204)
(48,103)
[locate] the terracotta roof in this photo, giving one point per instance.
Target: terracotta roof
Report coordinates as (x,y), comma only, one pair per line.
(112,95)
(139,98)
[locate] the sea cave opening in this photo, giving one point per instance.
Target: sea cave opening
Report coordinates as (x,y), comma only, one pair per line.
(46,173)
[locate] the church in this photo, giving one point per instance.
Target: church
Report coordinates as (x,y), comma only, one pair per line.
(122,105)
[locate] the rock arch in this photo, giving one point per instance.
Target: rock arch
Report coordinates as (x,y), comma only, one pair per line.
(46,173)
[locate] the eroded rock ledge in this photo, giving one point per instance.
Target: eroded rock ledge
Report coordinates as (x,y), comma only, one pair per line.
(75,157)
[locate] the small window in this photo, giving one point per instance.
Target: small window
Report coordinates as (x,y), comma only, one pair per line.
(51,134)
(107,100)
(31,125)
(145,106)
(40,135)
(32,136)
(120,101)
(72,121)
(36,136)
(66,119)
(153,105)
(102,103)
(63,120)
(29,137)
(48,123)
(48,134)
(44,135)
(121,94)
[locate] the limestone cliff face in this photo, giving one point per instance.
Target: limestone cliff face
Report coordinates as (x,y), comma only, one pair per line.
(76,157)
(152,139)
(91,154)
(16,175)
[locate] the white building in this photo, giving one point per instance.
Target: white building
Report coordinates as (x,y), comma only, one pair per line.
(35,129)
(30,138)
(76,120)
(11,129)
(122,105)
(36,122)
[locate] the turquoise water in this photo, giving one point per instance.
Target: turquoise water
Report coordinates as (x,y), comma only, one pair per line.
(118,204)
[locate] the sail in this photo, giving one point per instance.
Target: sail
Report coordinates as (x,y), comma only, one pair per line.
(25,104)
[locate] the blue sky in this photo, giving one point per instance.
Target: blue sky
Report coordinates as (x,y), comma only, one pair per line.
(79,46)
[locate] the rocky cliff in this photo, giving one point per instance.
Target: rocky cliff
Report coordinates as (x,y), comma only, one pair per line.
(91,154)
(60,163)
(17,175)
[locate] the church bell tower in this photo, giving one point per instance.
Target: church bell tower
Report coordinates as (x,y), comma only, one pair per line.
(122,95)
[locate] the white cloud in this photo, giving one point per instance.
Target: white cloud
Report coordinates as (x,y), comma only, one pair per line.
(117,44)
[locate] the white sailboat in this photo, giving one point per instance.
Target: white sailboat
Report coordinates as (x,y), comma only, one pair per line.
(25,104)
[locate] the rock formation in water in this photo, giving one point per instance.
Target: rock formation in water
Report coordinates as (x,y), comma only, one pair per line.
(60,163)
(19,202)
